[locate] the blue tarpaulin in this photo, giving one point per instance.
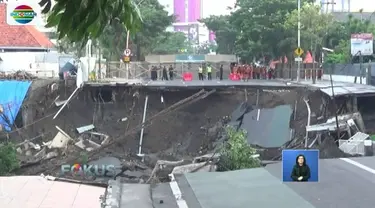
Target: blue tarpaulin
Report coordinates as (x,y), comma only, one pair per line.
(12,94)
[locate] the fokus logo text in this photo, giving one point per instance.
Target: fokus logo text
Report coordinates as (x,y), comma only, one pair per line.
(88,170)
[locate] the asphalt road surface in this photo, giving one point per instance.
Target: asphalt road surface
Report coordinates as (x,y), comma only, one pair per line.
(343,183)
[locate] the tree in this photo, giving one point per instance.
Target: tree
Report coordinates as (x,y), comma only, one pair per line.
(314,26)
(237,153)
(171,43)
(224,31)
(81,20)
(8,158)
(260,27)
(155,22)
(142,41)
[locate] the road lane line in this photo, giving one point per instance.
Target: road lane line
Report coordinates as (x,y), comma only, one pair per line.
(359,165)
(181,203)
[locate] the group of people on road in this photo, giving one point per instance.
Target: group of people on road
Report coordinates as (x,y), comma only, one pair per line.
(253,71)
(244,72)
(205,70)
(165,72)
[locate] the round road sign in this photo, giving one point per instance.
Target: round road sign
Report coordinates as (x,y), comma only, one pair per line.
(127,52)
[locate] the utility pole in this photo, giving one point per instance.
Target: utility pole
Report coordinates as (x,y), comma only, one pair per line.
(326,5)
(360,67)
(127,63)
(299,39)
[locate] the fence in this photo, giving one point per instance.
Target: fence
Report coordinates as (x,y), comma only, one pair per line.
(289,71)
(142,69)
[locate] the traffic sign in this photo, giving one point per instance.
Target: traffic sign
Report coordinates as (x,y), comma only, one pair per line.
(127,52)
(126,59)
(299,51)
(298,59)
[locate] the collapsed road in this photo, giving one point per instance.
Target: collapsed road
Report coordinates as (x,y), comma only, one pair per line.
(179,123)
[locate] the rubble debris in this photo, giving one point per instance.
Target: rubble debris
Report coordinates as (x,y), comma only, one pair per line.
(207,157)
(17,75)
(82,129)
(59,141)
(87,145)
(161,164)
(195,167)
(355,144)
(63,132)
(41,153)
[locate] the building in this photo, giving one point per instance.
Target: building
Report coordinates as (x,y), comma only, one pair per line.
(189,12)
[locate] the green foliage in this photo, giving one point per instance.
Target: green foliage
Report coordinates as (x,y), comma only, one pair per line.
(341,54)
(268,29)
(171,43)
(84,158)
(225,33)
(237,153)
(314,26)
(8,158)
(149,37)
(80,20)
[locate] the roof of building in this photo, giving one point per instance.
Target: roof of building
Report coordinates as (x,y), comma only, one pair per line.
(36,191)
(19,35)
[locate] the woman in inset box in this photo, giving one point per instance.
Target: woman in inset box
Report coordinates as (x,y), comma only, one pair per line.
(301,171)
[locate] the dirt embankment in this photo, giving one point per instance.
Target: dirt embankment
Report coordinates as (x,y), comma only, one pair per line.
(175,135)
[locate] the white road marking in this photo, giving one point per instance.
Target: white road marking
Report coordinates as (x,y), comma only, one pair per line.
(359,165)
(181,203)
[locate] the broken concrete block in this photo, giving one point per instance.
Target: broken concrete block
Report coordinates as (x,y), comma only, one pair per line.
(28,153)
(63,132)
(51,155)
(60,141)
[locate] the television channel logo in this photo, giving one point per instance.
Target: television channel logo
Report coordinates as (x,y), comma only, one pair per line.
(89,170)
(23,13)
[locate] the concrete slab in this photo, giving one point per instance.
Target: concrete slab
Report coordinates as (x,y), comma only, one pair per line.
(187,192)
(162,196)
(243,188)
(136,195)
